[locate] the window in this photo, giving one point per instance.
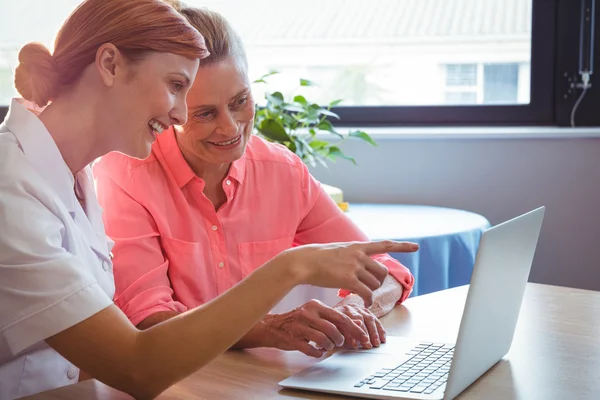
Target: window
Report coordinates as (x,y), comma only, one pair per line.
(501,84)
(487,84)
(393,62)
(461,75)
(382,52)
(462,84)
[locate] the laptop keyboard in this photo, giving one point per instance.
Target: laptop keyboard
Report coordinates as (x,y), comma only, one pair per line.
(425,372)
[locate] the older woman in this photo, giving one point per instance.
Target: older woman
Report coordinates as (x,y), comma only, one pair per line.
(213,202)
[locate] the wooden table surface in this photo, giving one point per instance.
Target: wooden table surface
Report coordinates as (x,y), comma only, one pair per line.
(555,354)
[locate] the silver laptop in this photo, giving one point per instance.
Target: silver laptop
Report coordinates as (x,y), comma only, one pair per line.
(404,368)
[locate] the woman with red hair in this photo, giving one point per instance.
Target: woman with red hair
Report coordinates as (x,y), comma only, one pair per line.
(118,77)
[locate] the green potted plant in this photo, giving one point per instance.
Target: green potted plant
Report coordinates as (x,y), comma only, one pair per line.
(300,124)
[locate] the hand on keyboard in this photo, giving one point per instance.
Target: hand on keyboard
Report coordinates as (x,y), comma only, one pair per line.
(312,322)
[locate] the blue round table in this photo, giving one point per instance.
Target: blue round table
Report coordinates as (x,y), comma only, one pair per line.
(448,240)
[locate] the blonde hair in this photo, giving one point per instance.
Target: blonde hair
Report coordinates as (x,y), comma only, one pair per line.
(222,42)
(135,27)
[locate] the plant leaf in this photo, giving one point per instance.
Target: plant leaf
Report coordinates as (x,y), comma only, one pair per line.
(262,78)
(300,100)
(312,114)
(335,102)
(362,135)
(322,156)
(325,125)
(305,146)
(291,146)
(306,82)
(259,112)
(289,122)
(335,152)
(299,147)
(273,111)
(275,98)
(324,111)
(318,144)
(310,160)
(293,108)
(273,130)
(322,161)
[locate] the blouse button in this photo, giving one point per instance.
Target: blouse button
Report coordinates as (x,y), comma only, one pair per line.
(72,373)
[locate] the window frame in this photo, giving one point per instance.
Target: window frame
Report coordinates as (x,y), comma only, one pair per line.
(540,110)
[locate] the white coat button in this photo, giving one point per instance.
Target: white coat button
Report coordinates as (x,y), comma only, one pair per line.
(72,373)
(214,228)
(228,182)
(105,265)
(221,264)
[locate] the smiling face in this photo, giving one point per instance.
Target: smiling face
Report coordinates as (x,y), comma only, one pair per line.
(220,114)
(150,98)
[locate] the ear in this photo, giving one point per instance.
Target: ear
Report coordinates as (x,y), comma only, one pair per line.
(108,61)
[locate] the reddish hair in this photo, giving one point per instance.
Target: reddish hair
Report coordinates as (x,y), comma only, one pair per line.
(135,27)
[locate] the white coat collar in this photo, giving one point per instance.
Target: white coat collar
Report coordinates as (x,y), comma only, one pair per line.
(41,150)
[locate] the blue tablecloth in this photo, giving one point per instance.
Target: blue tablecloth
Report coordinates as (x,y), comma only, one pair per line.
(448,240)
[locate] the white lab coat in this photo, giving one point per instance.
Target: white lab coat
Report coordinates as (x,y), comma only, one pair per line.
(55,269)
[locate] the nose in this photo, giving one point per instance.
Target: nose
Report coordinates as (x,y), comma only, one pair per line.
(178,113)
(228,125)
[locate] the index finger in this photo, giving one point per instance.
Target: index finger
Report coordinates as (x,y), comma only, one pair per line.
(387,246)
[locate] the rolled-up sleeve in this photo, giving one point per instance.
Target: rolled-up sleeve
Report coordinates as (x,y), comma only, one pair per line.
(43,288)
(326,223)
(142,285)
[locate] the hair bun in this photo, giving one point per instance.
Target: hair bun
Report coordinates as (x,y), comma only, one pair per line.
(36,78)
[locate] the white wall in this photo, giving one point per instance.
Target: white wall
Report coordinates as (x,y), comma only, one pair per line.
(498,178)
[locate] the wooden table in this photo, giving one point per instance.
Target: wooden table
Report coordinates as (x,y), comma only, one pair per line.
(555,354)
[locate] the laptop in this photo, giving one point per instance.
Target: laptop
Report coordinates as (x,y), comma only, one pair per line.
(404,368)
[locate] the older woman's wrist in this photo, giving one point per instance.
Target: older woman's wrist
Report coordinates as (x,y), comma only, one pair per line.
(258,336)
(353,299)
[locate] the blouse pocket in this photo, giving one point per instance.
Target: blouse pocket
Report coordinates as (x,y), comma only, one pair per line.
(255,254)
(185,258)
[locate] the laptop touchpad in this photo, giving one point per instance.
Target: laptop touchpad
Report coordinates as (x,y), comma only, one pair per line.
(343,369)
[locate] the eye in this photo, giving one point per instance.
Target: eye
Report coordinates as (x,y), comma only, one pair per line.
(204,114)
(176,86)
(241,101)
